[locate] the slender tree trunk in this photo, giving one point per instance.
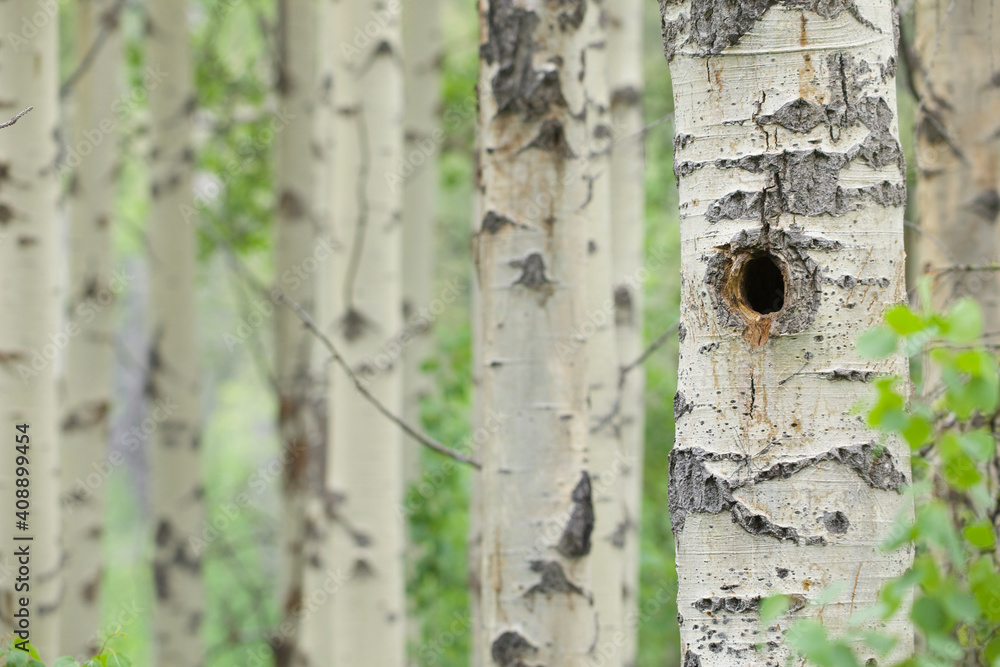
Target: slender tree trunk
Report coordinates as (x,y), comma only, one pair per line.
(173,384)
(537,605)
(474,540)
(300,251)
(417,178)
(30,332)
(422,69)
(365,465)
(598,326)
(628,196)
(957,62)
(313,646)
(791,200)
(90,354)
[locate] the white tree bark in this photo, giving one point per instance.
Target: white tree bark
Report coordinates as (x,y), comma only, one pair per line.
(791,201)
(538,515)
(422,70)
(173,384)
(628,196)
(365,464)
(299,257)
(313,645)
(92,297)
(598,326)
(31,335)
(957,49)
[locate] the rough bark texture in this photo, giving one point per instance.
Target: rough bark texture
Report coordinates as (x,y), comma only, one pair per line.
(89,354)
(178,494)
(365,466)
(536,606)
(628,216)
(30,332)
(301,254)
(791,201)
(956,69)
(598,327)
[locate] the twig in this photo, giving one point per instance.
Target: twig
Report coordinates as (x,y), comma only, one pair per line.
(307,320)
(403,424)
(15,118)
(628,368)
(962,268)
(109,21)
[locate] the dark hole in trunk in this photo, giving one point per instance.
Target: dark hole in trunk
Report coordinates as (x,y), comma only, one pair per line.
(763,285)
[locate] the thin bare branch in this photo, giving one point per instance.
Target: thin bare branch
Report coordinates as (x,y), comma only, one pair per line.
(628,368)
(15,118)
(109,22)
(403,424)
(310,324)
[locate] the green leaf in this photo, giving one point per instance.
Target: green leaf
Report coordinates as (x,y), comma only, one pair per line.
(17,658)
(877,343)
(991,652)
(881,643)
(773,607)
(930,616)
(965,322)
(65,661)
(980,534)
(904,321)
(978,444)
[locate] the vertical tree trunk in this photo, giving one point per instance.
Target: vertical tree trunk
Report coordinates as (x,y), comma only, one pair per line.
(365,465)
(537,604)
(628,197)
(422,41)
(31,336)
(173,384)
(958,149)
(300,249)
(791,198)
(418,170)
(313,645)
(89,354)
(598,326)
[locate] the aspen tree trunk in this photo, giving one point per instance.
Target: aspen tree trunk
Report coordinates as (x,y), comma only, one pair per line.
(474,541)
(538,515)
(300,249)
(598,327)
(312,645)
(628,197)
(31,334)
(791,201)
(173,385)
(365,462)
(422,70)
(958,149)
(90,354)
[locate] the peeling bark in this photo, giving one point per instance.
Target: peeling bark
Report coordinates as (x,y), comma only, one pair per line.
(791,195)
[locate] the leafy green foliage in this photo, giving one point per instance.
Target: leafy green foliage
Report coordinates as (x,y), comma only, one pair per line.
(106,657)
(948,421)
